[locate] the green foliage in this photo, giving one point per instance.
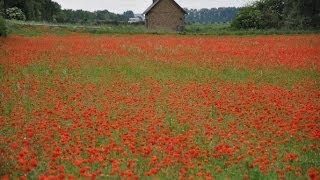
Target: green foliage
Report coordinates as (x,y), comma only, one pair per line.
(248,18)
(225,29)
(279,14)
(3,27)
(50,11)
(78,16)
(15,13)
(2,8)
(302,13)
(39,10)
(213,15)
(91,18)
(128,14)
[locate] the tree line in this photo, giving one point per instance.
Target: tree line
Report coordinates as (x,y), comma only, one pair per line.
(266,14)
(261,14)
(37,10)
(213,15)
(50,11)
(96,18)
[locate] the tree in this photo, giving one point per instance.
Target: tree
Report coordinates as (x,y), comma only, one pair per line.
(40,10)
(247,18)
(281,13)
(1,6)
(50,11)
(128,14)
(15,13)
(213,15)
(272,13)
(302,13)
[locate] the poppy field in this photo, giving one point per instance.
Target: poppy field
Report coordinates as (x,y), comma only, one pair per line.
(163,107)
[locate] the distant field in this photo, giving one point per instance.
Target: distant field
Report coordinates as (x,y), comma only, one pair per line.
(38,29)
(163,107)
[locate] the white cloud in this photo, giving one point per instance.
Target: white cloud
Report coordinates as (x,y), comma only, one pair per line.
(138,6)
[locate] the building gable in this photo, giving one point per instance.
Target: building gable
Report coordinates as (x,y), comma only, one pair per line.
(157,2)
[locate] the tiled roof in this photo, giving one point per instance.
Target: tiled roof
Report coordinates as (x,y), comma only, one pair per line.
(156,2)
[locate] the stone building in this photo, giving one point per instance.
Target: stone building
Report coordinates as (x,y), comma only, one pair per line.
(165,14)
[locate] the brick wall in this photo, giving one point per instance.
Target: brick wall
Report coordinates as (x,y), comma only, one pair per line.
(165,15)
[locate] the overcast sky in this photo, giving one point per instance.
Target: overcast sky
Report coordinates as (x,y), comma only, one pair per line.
(138,6)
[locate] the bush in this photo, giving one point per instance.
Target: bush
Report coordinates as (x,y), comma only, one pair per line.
(264,14)
(15,13)
(3,28)
(248,18)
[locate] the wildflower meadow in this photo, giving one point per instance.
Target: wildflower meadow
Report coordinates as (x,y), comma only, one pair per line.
(160,107)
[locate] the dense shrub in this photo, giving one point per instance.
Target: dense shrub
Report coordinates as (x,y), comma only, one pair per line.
(15,13)
(3,28)
(248,18)
(302,14)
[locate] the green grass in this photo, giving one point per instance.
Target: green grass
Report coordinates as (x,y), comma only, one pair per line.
(219,29)
(41,29)
(3,27)
(136,70)
(7,108)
